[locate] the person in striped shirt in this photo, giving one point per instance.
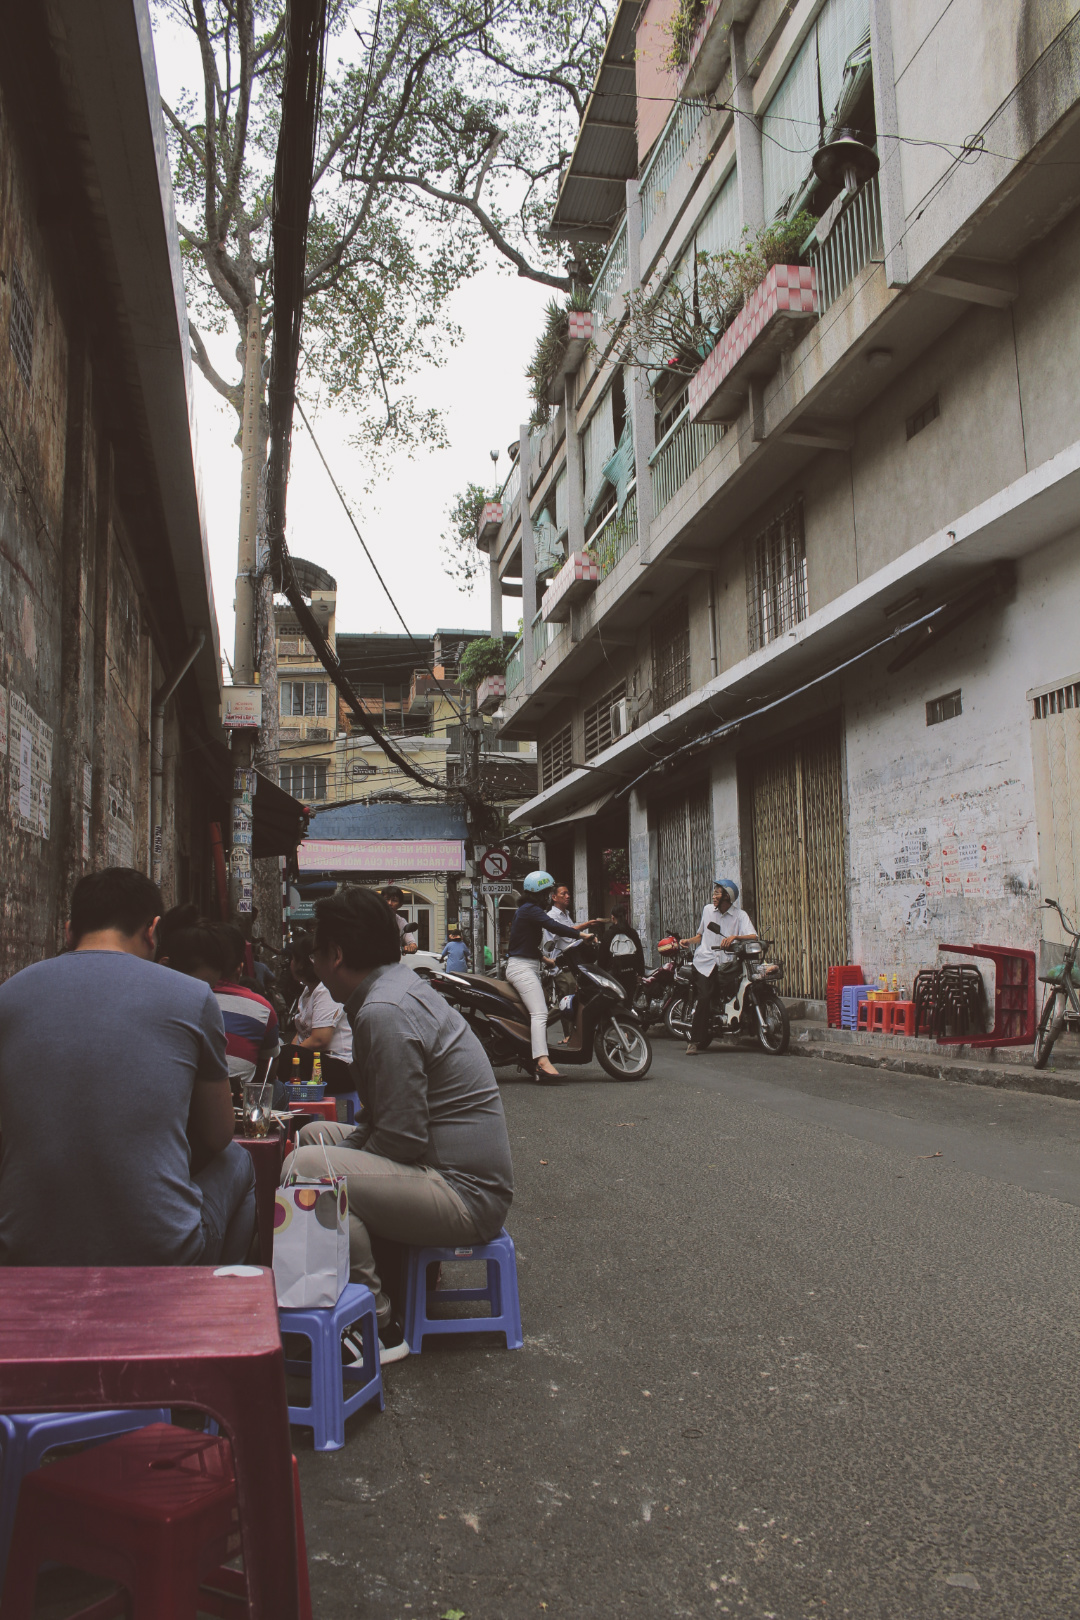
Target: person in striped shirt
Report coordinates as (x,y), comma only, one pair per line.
(203,950)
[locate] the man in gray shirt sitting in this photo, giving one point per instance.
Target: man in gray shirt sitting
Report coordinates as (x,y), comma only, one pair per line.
(429,1160)
(115,1102)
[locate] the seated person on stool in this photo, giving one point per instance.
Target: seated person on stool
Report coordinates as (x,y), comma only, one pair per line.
(115,1101)
(721,924)
(429,1159)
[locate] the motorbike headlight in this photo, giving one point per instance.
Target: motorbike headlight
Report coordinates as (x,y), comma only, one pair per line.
(605,979)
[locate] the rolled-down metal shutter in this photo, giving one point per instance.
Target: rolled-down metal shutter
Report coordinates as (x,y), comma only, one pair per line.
(685,857)
(797,798)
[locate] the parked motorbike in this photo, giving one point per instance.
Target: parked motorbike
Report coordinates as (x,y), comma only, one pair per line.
(604,1024)
(656,989)
(750,1004)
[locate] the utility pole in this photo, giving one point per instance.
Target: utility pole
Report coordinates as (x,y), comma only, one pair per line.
(243,741)
(470,748)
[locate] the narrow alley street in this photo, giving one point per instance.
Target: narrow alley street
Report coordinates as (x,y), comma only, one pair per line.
(781,1360)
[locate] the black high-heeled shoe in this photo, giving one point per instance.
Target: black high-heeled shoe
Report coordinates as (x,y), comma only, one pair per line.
(542,1077)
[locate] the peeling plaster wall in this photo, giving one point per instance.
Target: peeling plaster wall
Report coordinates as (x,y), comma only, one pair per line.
(943,840)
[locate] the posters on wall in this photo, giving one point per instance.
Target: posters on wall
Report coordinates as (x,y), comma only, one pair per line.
(30,753)
(944,867)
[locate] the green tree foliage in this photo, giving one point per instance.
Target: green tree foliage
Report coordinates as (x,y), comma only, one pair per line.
(462,558)
(480,659)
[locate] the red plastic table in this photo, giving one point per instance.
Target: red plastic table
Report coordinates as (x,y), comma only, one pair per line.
(75,1338)
(267,1154)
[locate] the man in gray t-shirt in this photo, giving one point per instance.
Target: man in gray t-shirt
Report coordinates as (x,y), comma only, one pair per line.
(429,1159)
(113,1080)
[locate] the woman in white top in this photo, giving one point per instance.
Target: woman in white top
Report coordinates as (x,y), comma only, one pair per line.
(321,1026)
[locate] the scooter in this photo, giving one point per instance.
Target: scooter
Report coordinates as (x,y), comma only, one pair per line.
(656,989)
(750,1004)
(604,1023)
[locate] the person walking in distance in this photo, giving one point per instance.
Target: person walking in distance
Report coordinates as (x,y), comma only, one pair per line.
(395,899)
(531,919)
(721,923)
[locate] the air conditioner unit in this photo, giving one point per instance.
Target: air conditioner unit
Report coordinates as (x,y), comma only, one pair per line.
(622,718)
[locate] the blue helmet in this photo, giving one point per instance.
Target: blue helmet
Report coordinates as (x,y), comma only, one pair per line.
(538,883)
(729,886)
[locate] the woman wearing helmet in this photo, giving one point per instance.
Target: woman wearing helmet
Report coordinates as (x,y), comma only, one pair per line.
(721,923)
(531,920)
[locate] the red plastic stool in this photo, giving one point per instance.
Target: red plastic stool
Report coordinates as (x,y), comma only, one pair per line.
(903,1018)
(881,1017)
(155,1510)
(326,1108)
(862,1015)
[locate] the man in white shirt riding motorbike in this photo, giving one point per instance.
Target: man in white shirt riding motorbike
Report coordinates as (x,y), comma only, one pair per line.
(722,923)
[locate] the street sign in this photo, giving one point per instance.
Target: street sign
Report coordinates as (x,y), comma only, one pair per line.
(242,708)
(496,888)
(495,863)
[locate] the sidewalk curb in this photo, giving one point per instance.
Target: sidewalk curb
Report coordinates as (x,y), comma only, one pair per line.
(1004,1076)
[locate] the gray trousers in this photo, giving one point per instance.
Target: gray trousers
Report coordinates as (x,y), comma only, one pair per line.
(408,1203)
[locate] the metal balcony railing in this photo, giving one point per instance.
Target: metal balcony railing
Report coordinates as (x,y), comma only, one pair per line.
(682,449)
(511,490)
(612,274)
(515,666)
(854,240)
(543,635)
(616,535)
(671,149)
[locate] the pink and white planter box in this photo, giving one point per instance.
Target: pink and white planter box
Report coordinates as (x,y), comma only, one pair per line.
(772,320)
(579,575)
(490,693)
(491,516)
(580,336)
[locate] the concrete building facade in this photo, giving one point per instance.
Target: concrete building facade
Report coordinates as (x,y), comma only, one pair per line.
(817,627)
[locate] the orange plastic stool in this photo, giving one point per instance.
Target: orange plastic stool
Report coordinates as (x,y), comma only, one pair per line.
(154,1510)
(325,1107)
(881,1017)
(903,1018)
(862,1016)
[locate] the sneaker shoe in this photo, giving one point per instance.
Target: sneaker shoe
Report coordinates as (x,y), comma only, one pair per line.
(392,1345)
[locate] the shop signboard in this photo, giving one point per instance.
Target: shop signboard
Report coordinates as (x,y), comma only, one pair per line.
(403,856)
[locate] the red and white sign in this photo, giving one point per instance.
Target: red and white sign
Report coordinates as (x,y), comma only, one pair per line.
(401,855)
(494,864)
(241,708)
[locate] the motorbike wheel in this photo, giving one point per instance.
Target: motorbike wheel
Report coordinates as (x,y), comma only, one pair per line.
(776,1034)
(622,1050)
(1045,1035)
(677,1015)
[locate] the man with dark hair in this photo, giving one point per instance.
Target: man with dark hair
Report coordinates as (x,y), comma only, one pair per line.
(115,1100)
(395,899)
(429,1159)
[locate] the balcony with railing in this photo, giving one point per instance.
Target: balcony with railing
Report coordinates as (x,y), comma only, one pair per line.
(679,453)
(671,150)
(616,535)
(543,634)
(854,241)
(612,274)
(515,666)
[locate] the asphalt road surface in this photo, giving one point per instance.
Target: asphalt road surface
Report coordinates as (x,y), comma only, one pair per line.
(800,1341)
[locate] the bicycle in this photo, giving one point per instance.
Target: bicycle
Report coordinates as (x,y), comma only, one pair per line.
(1062,1004)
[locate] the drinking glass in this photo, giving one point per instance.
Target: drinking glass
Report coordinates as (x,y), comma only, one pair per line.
(258,1099)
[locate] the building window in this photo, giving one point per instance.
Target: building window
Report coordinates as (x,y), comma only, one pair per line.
(556,758)
(1057,702)
(777,598)
(598,721)
(671,655)
(943,708)
(923,417)
(304,778)
(304,698)
(21,327)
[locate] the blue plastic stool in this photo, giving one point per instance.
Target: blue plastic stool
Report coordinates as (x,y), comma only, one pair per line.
(850,997)
(323,1327)
(26,1436)
(352,1106)
(501,1292)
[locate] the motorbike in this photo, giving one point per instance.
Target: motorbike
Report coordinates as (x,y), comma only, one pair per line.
(603,1025)
(656,989)
(748,1005)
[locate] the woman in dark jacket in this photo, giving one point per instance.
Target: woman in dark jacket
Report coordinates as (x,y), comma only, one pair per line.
(531,920)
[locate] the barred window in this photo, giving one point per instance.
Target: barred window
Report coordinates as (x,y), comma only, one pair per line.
(671,655)
(556,758)
(1057,702)
(598,721)
(305,779)
(303,697)
(777,598)
(946,707)
(21,327)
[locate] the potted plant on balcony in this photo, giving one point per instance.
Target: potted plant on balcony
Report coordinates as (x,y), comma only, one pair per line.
(552,357)
(483,665)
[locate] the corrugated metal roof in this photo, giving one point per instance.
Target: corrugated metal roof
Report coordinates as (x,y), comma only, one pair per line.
(592,193)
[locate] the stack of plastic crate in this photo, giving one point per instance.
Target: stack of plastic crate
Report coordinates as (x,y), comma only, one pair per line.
(850,997)
(838,979)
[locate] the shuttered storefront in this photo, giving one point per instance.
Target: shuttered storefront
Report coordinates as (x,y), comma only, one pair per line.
(796,802)
(685,859)
(1055,742)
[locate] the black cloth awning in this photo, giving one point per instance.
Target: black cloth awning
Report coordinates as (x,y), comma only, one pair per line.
(280,821)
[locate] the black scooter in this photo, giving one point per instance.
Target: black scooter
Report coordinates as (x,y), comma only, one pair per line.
(604,1023)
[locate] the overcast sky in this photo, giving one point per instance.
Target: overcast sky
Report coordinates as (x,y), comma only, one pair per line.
(484,395)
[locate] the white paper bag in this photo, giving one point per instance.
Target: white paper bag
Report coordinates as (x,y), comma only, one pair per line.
(311,1242)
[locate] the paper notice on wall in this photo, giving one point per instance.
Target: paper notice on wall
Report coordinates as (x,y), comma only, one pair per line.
(120,838)
(3,720)
(86,835)
(30,747)
(87,784)
(971,867)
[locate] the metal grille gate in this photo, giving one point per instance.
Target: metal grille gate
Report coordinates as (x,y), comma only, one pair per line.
(685,859)
(797,800)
